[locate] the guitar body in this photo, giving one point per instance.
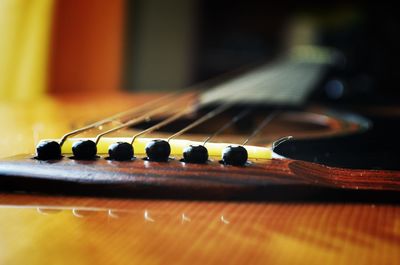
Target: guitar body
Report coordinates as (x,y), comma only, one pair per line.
(272,211)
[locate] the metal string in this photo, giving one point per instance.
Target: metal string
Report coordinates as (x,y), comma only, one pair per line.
(204,118)
(247,111)
(135,110)
(142,107)
(235,119)
(141,118)
(172,118)
(261,126)
(163,123)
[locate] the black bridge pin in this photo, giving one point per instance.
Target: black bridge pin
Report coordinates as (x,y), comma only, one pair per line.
(121,151)
(195,154)
(48,150)
(234,155)
(158,150)
(84,150)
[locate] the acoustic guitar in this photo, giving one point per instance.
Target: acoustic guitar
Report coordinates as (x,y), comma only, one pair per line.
(241,171)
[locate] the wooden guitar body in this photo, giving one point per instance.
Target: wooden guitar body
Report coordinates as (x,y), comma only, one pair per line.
(275,211)
(272,180)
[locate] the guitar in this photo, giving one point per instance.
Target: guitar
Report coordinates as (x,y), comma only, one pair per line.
(259,196)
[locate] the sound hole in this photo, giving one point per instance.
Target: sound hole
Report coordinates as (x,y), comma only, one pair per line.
(375,148)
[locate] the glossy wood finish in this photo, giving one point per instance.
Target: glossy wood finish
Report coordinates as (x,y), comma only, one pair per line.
(273,179)
(60,230)
(38,229)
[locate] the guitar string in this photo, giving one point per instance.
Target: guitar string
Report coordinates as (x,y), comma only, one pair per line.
(132,111)
(115,117)
(174,117)
(163,123)
(224,107)
(202,119)
(234,120)
(141,118)
(245,113)
(208,116)
(262,125)
(131,122)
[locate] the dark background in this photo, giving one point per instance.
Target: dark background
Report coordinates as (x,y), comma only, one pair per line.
(185,42)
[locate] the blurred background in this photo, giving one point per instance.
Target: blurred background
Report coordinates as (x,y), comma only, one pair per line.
(74,46)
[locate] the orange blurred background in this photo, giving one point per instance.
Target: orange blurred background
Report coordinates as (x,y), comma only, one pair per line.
(72,46)
(59,46)
(86,45)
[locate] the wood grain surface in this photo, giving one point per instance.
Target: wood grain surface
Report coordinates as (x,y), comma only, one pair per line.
(273,179)
(61,230)
(39,229)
